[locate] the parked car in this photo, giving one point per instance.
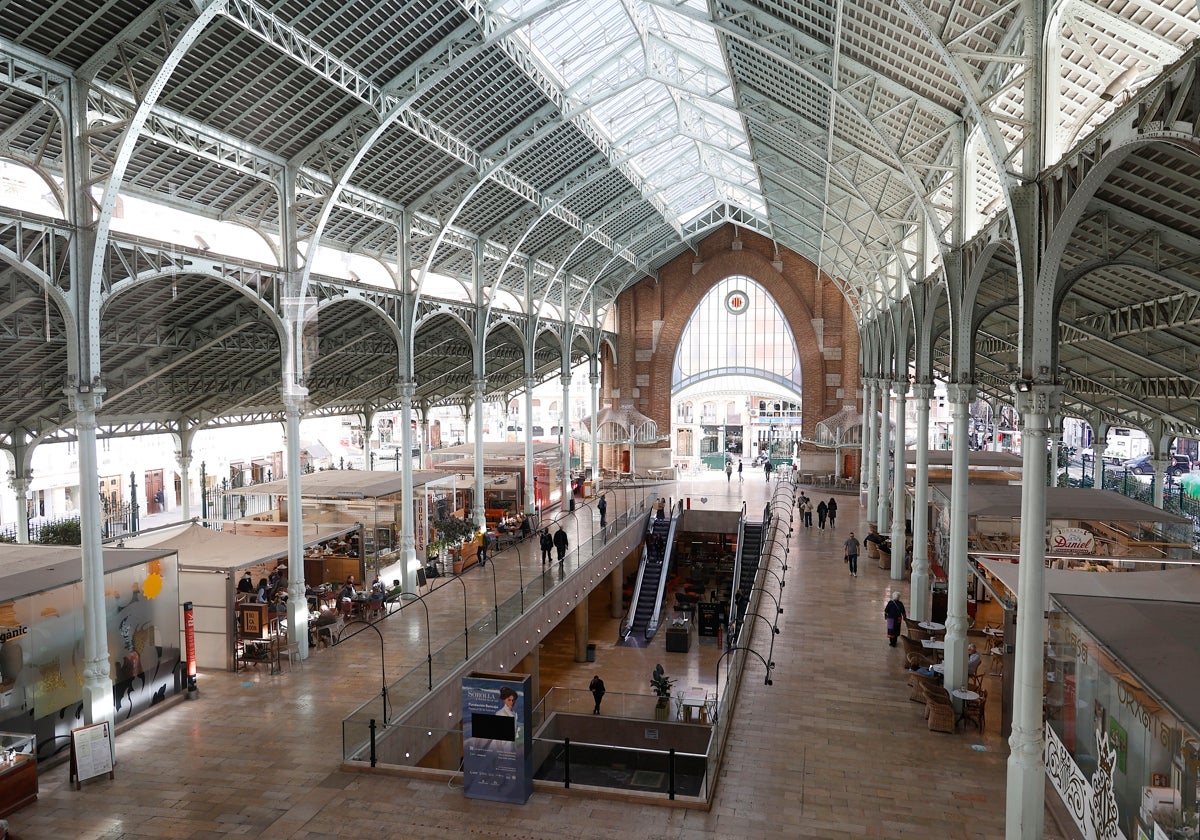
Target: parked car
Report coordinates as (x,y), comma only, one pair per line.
(1141,465)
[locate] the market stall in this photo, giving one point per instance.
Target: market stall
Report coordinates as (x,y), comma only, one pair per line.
(211,564)
(1121,703)
(41,635)
(504,472)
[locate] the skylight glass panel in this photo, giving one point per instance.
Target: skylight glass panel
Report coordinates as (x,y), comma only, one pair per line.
(654,82)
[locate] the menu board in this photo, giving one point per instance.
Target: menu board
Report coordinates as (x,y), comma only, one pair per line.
(91,752)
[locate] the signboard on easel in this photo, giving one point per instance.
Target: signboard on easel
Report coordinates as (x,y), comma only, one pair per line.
(91,752)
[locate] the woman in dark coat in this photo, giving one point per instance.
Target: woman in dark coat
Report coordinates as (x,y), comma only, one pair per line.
(822,512)
(831,512)
(894,615)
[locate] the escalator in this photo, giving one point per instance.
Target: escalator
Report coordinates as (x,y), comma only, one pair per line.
(642,621)
(749,551)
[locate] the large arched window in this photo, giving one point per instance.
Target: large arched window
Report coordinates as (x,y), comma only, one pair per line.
(737,330)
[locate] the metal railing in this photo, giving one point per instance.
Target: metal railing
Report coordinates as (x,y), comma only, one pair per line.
(454,651)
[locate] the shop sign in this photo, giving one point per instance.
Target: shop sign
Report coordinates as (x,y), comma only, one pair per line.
(1072,541)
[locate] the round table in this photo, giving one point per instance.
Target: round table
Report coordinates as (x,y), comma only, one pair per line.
(964,694)
(938,668)
(931,626)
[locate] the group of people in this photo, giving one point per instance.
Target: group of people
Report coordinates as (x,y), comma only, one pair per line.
(826,511)
(270,589)
(557,542)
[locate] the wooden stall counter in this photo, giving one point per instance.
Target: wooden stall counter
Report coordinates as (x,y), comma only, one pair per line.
(18,772)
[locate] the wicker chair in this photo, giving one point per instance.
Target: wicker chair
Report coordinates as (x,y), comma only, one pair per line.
(939,710)
(913,629)
(911,646)
(918,683)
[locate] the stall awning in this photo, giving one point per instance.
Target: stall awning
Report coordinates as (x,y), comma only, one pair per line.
(1003,501)
(346,484)
(1162,585)
(975,458)
(29,569)
(203,548)
(1154,641)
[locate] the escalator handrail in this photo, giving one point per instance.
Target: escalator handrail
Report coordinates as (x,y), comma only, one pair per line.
(626,625)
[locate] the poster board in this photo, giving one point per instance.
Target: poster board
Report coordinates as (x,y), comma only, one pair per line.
(91,752)
(497,737)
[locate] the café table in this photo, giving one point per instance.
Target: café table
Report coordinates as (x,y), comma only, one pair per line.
(938,668)
(692,705)
(932,626)
(963,694)
(934,644)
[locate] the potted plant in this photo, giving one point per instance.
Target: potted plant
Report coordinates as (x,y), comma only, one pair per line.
(452,532)
(661,684)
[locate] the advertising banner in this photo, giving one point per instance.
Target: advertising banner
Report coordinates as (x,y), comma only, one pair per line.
(497,741)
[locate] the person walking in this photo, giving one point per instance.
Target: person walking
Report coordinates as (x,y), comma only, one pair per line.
(893,614)
(807,510)
(561,543)
(831,512)
(741,478)
(767,467)
(482,550)
(822,512)
(728,472)
(852,554)
(596,686)
(547,544)
(602,506)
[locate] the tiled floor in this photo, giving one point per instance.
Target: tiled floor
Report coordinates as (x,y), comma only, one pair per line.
(833,749)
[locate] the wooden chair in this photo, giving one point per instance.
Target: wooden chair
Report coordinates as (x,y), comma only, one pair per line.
(332,632)
(973,711)
(374,608)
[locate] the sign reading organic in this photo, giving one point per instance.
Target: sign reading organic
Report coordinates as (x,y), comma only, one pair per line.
(1072,541)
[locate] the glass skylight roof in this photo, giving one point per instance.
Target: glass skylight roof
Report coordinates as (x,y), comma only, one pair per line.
(653,80)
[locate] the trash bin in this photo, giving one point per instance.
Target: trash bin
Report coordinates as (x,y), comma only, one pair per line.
(591,653)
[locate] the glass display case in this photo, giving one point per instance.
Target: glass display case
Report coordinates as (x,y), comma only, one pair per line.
(18,771)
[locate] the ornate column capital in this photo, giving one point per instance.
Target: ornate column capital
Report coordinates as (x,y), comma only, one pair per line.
(294,395)
(407,389)
(1037,401)
(899,387)
(85,397)
(479,386)
(960,393)
(922,391)
(20,484)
